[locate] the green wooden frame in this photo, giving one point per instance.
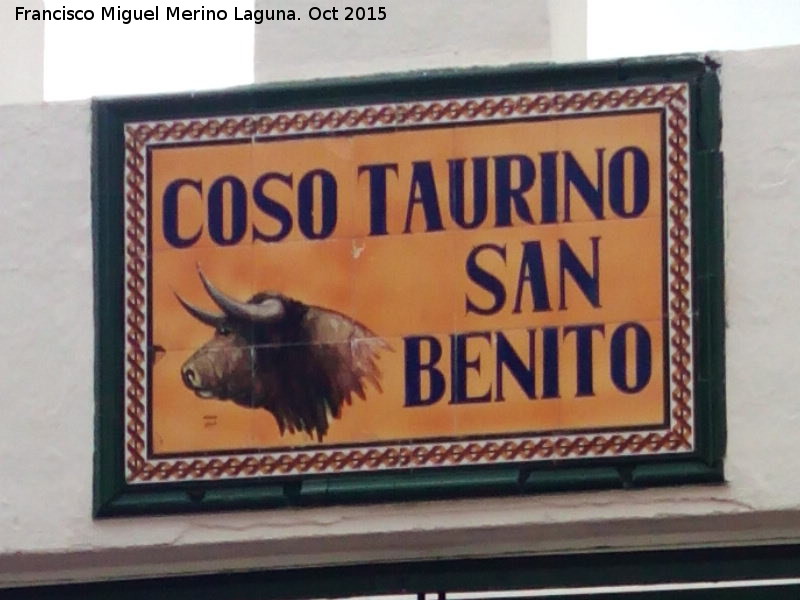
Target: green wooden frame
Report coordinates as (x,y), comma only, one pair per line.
(113,496)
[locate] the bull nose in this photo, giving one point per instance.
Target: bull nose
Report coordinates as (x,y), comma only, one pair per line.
(190,377)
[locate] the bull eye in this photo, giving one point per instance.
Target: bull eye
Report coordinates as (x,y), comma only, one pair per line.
(222,330)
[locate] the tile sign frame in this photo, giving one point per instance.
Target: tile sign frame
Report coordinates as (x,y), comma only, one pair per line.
(691,86)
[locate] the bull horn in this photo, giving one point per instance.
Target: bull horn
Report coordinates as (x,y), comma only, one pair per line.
(269,310)
(201,315)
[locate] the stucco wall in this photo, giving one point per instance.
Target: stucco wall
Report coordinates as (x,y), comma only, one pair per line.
(417,34)
(420,34)
(21,56)
(46,437)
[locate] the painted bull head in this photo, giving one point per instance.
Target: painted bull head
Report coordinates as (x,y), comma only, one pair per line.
(301,363)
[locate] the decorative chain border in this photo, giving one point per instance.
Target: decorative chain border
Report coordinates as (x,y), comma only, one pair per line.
(398,457)
(135,306)
(680,265)
(678,437)
(400,114)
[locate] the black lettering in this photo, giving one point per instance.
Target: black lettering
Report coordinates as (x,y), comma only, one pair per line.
(505,193)
(272,208)
(414,366)
(641,182)
(423,191)
(486,280)
(169,218)
(575,176)
(585,364)
(507,357)
(459,392)
(305,201)
(588,284)
(377,195)
(619,358)
(479,192)
(550,388)
(531,270)
(216,210)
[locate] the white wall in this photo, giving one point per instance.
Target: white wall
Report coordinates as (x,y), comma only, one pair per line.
(420,34)
(636,28)
(21,56)
(102,57)
(46,437)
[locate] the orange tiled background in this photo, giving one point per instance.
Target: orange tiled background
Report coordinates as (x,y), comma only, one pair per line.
(410,284)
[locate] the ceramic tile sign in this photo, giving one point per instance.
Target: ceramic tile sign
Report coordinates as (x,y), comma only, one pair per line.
(398,292)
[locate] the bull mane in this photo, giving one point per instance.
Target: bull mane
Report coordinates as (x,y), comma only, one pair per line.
(304,385)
